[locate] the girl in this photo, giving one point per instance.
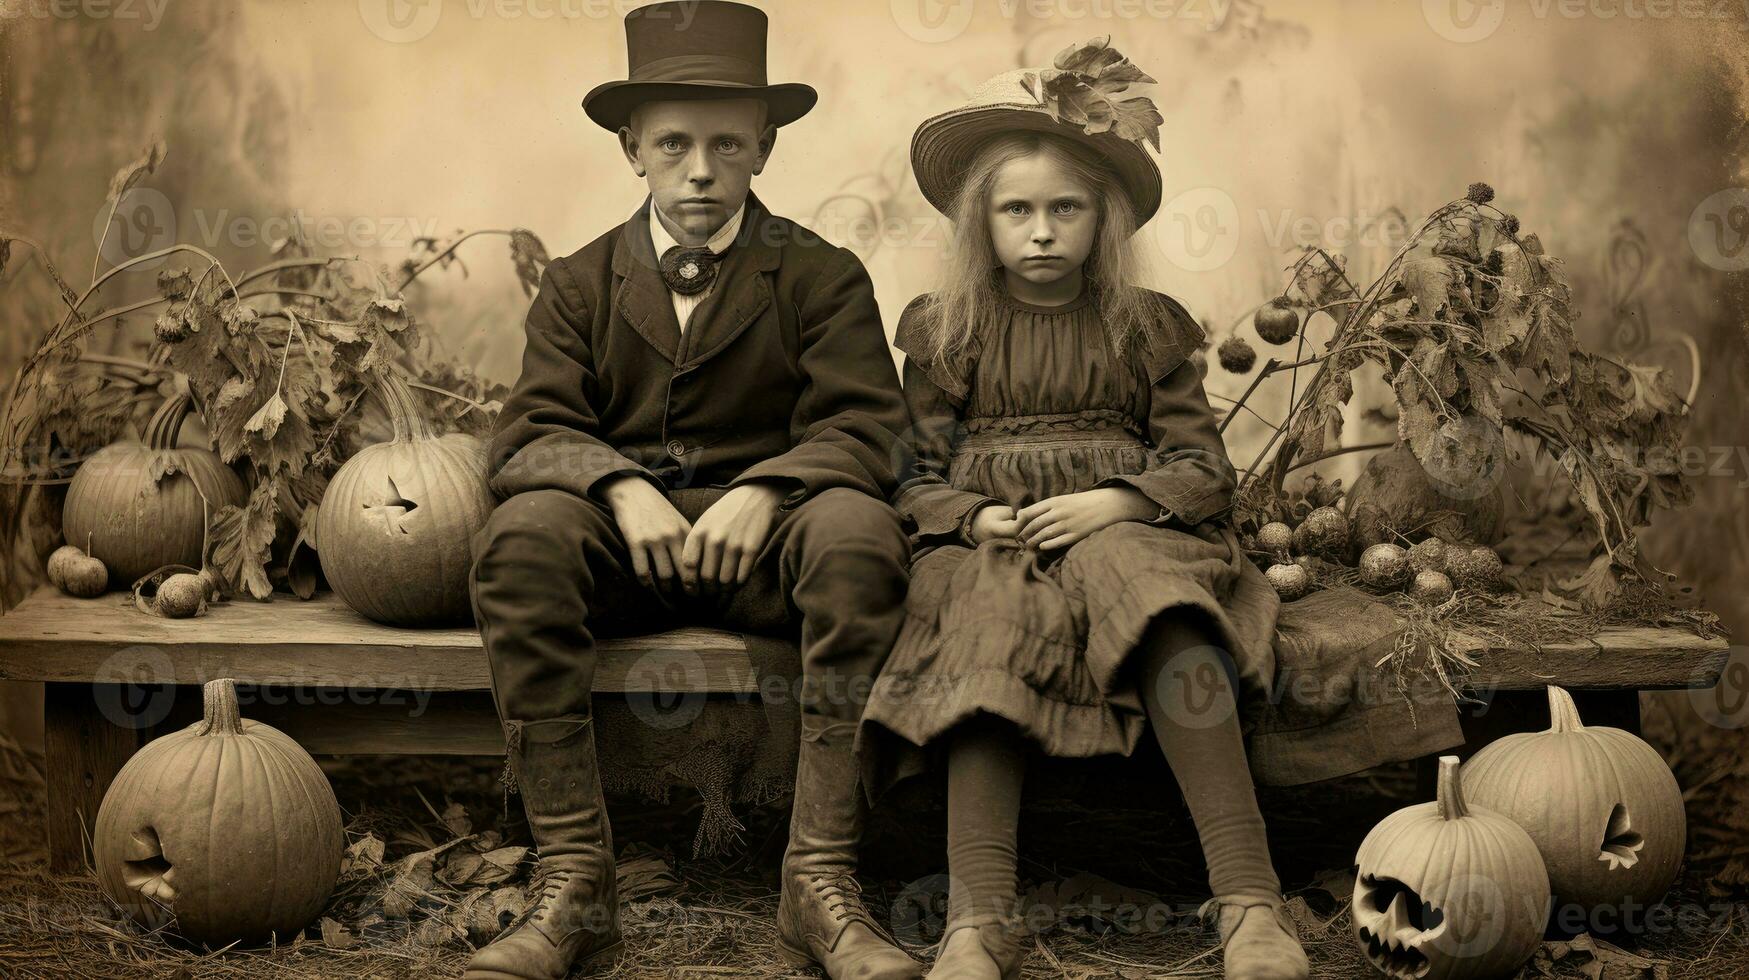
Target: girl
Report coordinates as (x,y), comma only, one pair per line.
(1073,587)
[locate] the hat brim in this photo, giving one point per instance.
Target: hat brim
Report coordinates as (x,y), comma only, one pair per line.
(610,104)
(944,146)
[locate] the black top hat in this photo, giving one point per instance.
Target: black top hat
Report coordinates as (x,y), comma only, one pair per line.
(695,49)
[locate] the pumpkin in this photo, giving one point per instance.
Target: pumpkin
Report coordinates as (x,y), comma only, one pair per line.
(226,830)
(1602,806)
(395,526)
(1396,491)
(140,505)
(1446,890)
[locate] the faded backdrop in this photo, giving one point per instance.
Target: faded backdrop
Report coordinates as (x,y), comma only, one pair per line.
(1288,122)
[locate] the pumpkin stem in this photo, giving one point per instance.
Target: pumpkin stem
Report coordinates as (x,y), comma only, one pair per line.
(166,423)
(220,702)
(1450,790)
(410,423)
(1563,713)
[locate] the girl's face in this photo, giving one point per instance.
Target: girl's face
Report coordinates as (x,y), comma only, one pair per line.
(1042,221)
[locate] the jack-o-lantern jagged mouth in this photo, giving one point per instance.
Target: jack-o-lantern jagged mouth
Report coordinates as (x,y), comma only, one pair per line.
(150,872)
(1400,924)
(1621,842)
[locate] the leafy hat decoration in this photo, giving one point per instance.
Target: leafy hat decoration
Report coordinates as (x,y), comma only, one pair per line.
(1082,91)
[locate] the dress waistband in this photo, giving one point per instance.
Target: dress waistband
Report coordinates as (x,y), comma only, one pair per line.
(1093,429)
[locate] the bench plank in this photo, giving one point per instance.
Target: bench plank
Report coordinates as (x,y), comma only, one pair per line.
(324,643)
(320,643)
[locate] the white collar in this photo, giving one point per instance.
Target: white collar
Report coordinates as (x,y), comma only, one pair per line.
(719,242)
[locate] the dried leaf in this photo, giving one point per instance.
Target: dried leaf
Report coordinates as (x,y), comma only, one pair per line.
(1081,90)
(1595,586)
(243,539)
(265,422)
(303,563)
(127,177)
(455,819)
(176,284)
(363,857)
(337,936)
(161,465)
(1428,278)
(530,257)
(642,872)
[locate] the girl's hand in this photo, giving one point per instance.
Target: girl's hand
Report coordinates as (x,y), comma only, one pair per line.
(1058,522)
(993,521)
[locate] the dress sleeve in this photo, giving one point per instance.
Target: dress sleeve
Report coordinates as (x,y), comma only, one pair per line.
(934,511)
(1188,472)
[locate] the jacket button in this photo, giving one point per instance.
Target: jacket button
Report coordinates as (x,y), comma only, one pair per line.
(676,449)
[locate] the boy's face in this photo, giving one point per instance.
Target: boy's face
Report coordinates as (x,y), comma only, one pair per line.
(1042,222)
(698,158)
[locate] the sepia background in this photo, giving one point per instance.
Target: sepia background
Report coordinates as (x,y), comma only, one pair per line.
(1614,130)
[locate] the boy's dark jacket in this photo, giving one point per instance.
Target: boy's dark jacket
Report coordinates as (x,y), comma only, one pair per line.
(783,374)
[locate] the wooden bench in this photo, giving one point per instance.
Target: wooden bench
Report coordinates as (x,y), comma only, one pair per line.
(341,684)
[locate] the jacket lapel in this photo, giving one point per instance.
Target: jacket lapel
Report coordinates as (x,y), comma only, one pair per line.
(741,292)
(642,299)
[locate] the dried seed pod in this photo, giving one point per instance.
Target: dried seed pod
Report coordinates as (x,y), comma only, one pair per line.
(1385,567)
(1290,581)
(1275,538)
(181,596)
(1323,534)
(1277,322)
(1427,556)
(1236,355)
(1478,568)
(1431,587)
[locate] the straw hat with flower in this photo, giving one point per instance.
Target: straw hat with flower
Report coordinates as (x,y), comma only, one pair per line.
(1077,99)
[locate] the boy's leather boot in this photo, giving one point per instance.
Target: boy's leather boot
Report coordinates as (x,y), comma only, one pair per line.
(573,911)
(820,917)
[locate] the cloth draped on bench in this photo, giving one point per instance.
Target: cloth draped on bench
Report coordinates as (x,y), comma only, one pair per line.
(1331,711)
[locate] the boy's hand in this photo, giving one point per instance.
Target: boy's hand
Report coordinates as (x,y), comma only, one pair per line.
(993,521)
(1058,522)
(653,530)
(722,547)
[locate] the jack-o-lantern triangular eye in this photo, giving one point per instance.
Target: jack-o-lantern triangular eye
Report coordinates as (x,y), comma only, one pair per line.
(393,508)
(1621,842)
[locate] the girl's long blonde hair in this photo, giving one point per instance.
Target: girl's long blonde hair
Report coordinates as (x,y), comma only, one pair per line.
(969,286)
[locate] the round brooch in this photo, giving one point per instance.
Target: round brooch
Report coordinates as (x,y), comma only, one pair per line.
(689,270)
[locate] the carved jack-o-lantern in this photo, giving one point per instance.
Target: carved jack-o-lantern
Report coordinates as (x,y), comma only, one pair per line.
(395,526)
(226,830)
(1446,891)
(1600,803)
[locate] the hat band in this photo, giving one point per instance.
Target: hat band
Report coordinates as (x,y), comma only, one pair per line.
(700,68)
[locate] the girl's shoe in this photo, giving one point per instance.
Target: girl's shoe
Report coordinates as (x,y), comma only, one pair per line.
(1000,942)
(1259,938)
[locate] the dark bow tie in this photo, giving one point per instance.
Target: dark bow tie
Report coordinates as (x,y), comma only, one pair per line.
(689,270)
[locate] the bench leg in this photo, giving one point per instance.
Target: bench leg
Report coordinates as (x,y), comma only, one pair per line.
(83,750)
(1509,712)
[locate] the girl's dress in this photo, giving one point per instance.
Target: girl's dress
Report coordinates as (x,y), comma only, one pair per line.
(1034,407)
